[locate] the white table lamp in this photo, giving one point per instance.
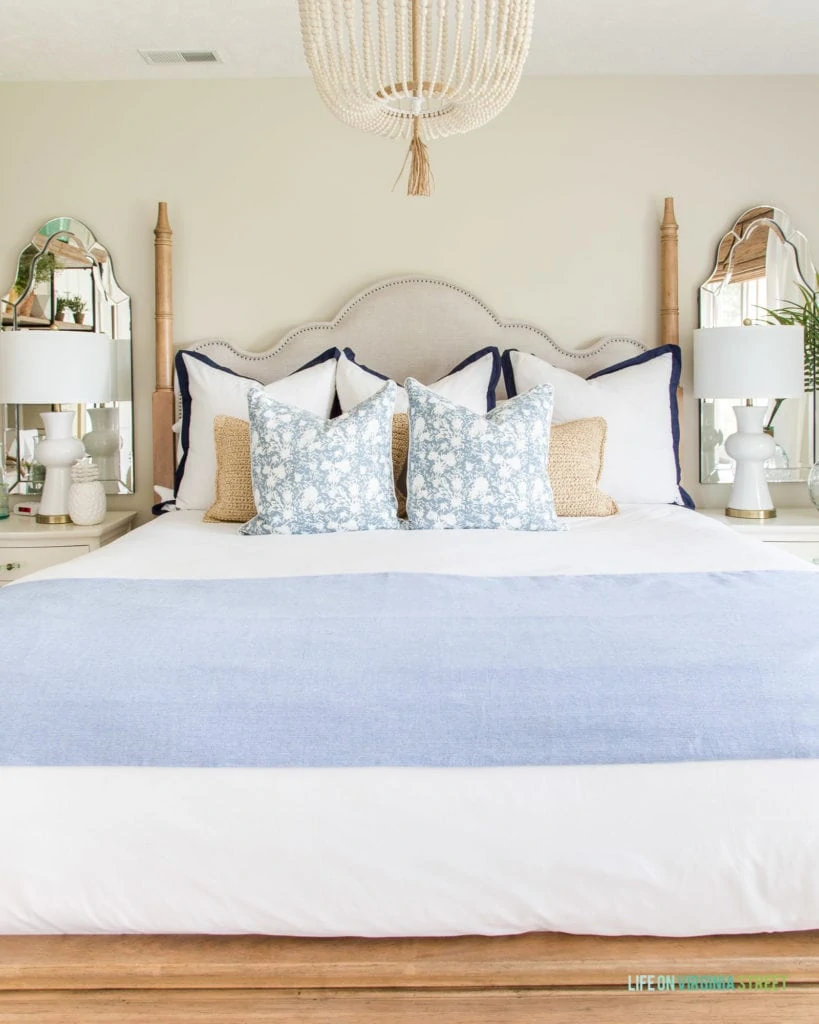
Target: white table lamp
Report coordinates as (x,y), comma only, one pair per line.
(749,362)
(52,368)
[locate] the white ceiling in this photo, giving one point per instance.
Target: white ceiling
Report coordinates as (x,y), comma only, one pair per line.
(77,40)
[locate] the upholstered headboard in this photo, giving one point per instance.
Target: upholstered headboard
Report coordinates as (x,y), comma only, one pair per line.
(415,326)
(406,326)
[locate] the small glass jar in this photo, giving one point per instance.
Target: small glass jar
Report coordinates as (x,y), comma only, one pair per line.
(4,500)
(813,484)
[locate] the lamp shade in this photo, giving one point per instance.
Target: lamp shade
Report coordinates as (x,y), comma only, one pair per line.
(749,362)
(53,367)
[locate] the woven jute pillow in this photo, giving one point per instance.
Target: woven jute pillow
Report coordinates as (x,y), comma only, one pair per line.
(576,453)
(400,451)
(234,486)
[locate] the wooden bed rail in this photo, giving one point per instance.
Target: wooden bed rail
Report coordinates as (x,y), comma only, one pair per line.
(521,979)
(544,959)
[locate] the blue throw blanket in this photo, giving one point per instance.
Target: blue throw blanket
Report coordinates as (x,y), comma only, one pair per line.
(417,670)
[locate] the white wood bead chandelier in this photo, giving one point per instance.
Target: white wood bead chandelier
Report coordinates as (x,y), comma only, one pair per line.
(416,69)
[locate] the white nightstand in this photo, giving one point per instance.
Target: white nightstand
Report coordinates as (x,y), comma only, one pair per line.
(27,546)
(794,529)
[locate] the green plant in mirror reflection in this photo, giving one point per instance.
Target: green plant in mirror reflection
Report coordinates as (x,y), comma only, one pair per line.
(806,315)
(76,304)
(43,268)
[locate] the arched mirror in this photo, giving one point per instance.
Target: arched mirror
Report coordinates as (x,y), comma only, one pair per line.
(763,274)
(65,282)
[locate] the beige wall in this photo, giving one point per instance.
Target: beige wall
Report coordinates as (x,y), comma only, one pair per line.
(550,213)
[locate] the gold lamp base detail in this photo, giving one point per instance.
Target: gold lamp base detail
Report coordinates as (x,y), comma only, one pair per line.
(60,520)
(751,513)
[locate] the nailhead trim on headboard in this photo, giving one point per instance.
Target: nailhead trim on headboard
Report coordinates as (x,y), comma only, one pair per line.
(285,343)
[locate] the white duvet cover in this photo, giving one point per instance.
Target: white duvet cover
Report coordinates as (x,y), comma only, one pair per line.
(642,538)
(670,849)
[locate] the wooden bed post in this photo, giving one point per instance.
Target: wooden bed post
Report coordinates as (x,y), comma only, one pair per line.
(670,295)
(163,402)
(670,290)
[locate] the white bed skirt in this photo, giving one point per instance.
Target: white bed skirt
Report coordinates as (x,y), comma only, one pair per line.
(672,849)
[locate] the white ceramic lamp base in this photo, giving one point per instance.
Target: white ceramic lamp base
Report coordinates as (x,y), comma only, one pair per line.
(58,451)
(750,447)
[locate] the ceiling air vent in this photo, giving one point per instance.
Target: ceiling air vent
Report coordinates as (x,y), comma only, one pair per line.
(180,56)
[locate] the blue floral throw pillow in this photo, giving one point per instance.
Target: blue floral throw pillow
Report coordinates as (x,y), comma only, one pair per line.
(473,472)
(312,475)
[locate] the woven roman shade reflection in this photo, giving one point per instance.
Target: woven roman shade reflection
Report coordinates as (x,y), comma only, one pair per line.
(745,256)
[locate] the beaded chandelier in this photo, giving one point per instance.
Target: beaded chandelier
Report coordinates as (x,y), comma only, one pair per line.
(416,69)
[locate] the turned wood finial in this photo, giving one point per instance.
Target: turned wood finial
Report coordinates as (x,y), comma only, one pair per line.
(669,219)
(163,225)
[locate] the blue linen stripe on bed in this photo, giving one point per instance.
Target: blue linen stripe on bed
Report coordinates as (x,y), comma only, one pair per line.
(411,670)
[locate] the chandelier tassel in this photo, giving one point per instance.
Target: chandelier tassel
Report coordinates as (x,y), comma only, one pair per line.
(420,181)
(420,175)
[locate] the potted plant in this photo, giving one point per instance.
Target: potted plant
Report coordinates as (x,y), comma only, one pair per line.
(61,307)
(77,307)
(43,269)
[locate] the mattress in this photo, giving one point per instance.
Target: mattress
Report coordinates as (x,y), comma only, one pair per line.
(658,849)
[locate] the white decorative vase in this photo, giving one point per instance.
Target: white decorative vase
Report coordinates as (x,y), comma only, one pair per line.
(103,442)
(86,496)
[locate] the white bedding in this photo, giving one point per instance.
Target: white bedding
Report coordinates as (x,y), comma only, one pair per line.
(642,538)
(671,849)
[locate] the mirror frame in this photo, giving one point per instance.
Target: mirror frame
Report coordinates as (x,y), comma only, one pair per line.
(751,220)
(109,437)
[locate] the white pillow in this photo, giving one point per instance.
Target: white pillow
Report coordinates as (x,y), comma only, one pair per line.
(638,400)
(209,390)
(472,383)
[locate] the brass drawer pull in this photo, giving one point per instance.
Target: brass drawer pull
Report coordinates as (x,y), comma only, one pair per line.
(11,566)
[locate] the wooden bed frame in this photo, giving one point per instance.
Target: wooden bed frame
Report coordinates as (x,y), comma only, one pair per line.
(526,979)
